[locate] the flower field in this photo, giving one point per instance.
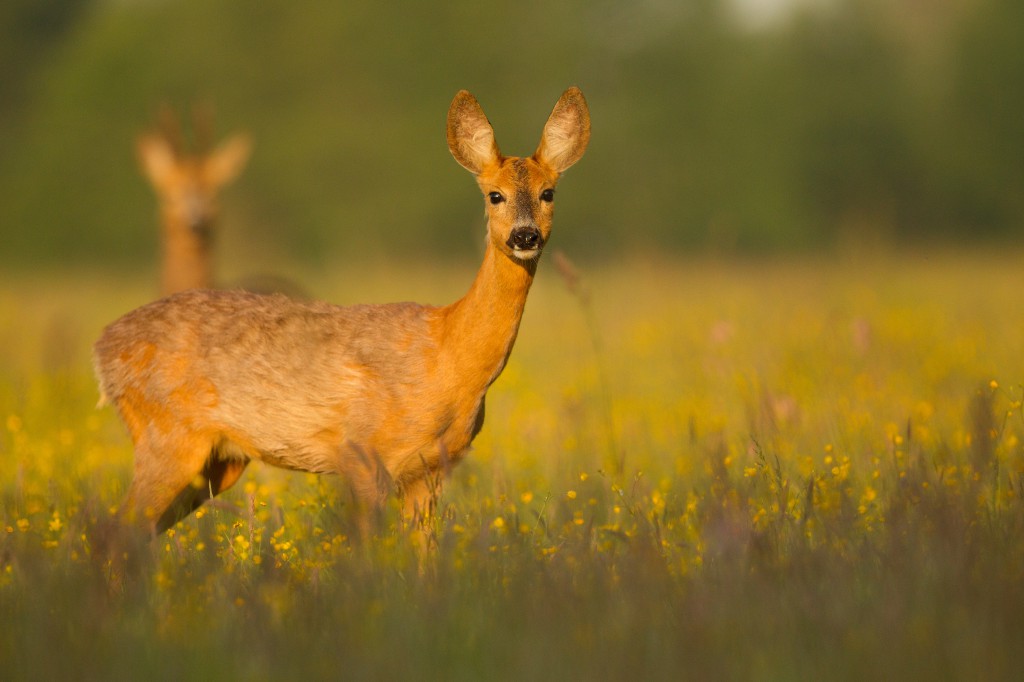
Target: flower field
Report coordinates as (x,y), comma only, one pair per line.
(693,469)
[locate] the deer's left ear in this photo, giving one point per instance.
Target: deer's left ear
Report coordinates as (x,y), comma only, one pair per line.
(228,160)
(566,133)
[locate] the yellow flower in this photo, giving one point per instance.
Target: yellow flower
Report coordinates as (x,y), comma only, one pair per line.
(571,494)
(23,525)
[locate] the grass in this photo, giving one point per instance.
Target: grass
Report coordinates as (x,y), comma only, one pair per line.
(690,470)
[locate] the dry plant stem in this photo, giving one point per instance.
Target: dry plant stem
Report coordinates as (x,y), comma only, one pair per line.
(576,286)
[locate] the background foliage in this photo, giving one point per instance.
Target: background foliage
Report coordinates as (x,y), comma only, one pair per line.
(833,122)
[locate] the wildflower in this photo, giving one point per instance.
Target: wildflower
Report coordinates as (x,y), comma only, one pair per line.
(498,523)
(23,525)
(526,497)
(571,494)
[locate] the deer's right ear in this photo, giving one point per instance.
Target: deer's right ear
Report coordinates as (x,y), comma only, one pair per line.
(156,157)
(470,136)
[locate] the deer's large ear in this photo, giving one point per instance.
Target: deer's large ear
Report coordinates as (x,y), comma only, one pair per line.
(228,159)
(157,158)
(470,136)
(566,133)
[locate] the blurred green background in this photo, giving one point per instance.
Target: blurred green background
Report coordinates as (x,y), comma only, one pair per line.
(736,126)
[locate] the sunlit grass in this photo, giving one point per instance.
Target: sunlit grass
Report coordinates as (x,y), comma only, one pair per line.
(797,470)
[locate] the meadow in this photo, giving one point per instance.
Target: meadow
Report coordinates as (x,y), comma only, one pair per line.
(796,468)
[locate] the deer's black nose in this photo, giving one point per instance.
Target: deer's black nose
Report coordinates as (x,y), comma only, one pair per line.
(524,239)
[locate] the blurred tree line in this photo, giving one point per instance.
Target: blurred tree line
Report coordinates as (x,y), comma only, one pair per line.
(838,121)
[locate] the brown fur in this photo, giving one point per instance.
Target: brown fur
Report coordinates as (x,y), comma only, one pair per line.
(384,395)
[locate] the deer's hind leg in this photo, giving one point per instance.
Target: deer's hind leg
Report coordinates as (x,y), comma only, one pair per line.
(162,483)
(217,475)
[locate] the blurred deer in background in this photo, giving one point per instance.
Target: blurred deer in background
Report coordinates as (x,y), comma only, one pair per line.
(388,396)
(186,184)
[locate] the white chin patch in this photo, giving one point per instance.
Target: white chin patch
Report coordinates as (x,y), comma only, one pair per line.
(523,254)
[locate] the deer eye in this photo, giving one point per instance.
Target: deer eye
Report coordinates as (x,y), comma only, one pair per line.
(495,197)
(547,195)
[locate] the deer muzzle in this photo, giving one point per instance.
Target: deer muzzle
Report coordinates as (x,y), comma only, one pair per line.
(525,239)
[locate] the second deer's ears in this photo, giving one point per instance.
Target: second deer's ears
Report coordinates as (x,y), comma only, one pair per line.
(470,136)
(157,158)
(228,159)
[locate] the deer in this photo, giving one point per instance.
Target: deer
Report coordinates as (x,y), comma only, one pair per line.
(388,396)
(187,184)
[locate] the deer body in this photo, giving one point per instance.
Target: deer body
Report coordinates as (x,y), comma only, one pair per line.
(384,395)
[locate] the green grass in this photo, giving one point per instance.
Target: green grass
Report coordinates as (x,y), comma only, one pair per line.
(690,470)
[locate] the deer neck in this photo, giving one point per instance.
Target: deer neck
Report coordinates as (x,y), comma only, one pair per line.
(186,260)
(478,330)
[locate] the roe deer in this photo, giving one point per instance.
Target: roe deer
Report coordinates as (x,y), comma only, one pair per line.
(186,185)
(384,395)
